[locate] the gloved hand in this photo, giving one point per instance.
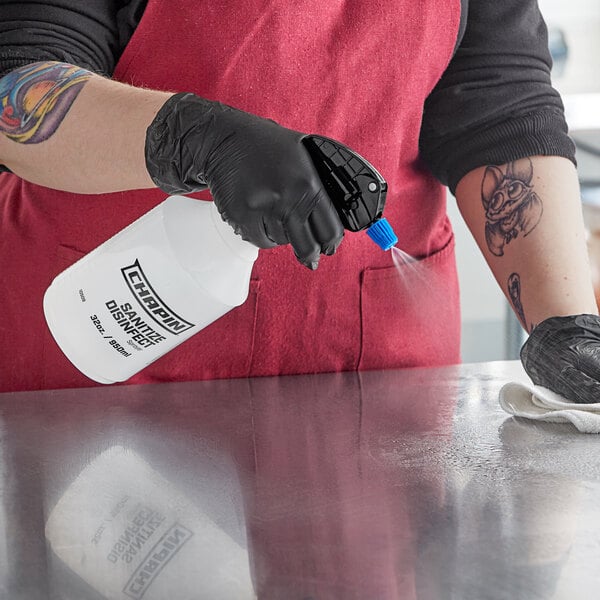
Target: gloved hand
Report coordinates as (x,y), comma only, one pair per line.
(261,177)
(563,355)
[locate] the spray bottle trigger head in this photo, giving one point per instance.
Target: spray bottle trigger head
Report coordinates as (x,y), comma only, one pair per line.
(382,234)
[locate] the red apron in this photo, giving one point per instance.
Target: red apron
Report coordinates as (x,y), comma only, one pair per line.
(358,71)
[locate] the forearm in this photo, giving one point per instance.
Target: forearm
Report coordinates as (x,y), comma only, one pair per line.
(534,241)
(76,131)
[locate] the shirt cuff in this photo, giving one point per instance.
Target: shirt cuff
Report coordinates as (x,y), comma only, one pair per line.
(541,133)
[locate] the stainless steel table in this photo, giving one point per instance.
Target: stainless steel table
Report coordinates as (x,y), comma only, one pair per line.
(379,485)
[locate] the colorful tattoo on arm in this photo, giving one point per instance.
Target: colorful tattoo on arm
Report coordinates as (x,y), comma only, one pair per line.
(35,99)
(511,205)
(514,293)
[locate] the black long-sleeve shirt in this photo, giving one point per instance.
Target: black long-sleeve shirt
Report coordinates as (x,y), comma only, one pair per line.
(494,103)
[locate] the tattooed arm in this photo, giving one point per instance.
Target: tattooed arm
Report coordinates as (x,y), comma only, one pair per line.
(526,218)
(69,129)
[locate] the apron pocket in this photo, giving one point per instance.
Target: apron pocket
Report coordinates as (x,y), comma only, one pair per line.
(410,314)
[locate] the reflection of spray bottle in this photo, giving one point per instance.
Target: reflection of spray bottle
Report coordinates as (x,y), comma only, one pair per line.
(124,530)
(179,267)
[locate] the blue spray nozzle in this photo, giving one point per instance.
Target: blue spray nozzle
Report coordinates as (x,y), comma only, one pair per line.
(382,234)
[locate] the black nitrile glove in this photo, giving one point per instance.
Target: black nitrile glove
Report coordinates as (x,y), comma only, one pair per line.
(260,176)
(563,355)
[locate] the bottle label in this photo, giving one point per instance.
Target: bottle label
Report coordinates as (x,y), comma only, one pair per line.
(142,316)
(151,302)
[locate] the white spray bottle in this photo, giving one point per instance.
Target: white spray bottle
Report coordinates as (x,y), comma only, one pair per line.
(179,267)
(149,288)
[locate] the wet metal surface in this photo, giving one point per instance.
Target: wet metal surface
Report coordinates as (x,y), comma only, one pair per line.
(381,485)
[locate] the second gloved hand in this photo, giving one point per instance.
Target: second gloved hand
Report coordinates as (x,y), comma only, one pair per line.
(260,176)
(563,355)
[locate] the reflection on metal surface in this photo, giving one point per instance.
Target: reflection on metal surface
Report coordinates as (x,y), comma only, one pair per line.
(380,485)
(125,530)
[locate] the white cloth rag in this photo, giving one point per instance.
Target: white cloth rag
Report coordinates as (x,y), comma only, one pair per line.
(541,404)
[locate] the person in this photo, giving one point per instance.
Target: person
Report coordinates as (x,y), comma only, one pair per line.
(108,107)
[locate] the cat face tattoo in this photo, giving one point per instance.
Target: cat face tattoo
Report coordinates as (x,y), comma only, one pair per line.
(511,205)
